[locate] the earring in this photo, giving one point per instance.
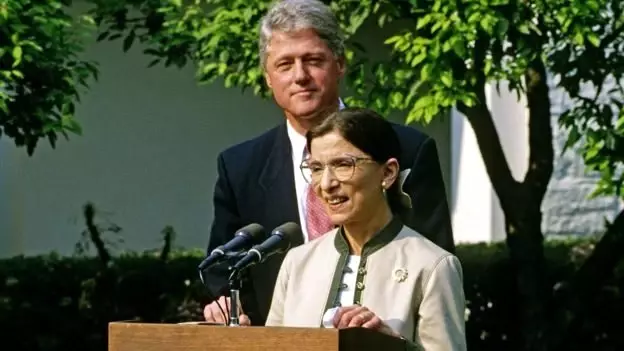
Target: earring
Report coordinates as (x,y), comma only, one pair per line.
(383,187)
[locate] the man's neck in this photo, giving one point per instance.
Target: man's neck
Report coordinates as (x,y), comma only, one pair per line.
(302,124)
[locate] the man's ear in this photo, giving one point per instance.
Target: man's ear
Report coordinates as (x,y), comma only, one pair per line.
(342,66)
(267,79)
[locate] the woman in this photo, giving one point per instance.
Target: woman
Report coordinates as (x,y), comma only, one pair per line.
(378,273)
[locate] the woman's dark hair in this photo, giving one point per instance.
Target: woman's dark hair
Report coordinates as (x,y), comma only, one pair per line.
(369,132)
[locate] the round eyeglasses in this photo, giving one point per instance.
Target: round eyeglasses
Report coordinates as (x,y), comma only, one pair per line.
(341,167)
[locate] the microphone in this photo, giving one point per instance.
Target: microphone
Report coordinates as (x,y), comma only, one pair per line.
(243,238)
(278,242)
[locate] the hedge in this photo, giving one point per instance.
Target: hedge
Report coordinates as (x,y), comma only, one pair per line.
(64,303)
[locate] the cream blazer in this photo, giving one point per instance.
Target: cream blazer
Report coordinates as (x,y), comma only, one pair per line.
(409,282)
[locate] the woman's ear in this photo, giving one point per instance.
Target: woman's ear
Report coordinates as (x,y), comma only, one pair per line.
(391,172)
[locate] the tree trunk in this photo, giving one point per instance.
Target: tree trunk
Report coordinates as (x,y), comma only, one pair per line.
(544,324)
(524,240)
(521,202)
(523,219)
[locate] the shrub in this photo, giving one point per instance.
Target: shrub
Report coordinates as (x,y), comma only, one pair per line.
(58,303)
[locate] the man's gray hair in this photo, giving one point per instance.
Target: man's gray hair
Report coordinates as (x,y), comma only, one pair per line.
(294,15)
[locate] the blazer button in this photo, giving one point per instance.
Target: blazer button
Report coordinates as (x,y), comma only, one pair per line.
(360,286)
(362,270)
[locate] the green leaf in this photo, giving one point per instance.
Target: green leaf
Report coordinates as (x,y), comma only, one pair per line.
(487,67)
(467,100)
(619,124)
(425,71)
(447,78)
(573,137)
(102,36)
(579,39)
(413,116)
(473,18)
(592,152)
(4,13)
(154,62)
(594,39)
(423,21)
(17,56)
(70,124)
(396,40)
(418,59)
(523,28)
(487,23)
(127,43)
(501,27)
(396,99)
(459,47)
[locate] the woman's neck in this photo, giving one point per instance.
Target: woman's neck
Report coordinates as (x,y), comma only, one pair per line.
(359,233)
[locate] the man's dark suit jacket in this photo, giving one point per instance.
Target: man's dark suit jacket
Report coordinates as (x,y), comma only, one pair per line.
(256,185)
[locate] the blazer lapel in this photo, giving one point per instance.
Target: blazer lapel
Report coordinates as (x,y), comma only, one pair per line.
(277,181)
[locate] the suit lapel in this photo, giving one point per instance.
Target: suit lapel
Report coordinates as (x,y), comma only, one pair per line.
(277,181)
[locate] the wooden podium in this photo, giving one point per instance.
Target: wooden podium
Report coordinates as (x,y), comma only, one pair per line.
(129,336)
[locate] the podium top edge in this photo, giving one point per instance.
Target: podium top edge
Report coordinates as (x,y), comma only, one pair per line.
(133,323)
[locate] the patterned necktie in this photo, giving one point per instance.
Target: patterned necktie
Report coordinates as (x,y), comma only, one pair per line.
(317,220)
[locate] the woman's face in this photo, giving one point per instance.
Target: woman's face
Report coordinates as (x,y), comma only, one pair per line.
(348,181)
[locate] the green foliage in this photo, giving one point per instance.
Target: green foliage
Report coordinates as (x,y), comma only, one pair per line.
(591,69)
(41,71)
(219,36)
(58,303)
(443,55)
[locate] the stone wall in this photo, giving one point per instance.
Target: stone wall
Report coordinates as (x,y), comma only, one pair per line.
(567,209)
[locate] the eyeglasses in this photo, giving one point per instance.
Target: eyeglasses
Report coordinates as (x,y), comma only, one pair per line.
(342,168)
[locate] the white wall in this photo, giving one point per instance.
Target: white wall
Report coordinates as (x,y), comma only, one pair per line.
(146,157)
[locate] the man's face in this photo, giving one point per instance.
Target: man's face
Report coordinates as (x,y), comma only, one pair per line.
(303,74)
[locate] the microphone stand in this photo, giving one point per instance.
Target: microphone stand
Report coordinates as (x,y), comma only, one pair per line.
(235,285)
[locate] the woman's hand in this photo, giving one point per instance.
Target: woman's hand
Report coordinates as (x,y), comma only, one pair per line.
(244,321)
(359,316)
(213,312)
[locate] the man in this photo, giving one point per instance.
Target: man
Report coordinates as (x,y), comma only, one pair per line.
(259,180)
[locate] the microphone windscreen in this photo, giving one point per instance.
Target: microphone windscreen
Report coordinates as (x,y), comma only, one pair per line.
(290,231)
(255,230)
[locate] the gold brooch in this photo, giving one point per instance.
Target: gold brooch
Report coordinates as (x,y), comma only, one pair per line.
(400,274)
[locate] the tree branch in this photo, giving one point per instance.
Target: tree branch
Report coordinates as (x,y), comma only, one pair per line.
(480,118)
(94,233)
(541,154)
(496,165)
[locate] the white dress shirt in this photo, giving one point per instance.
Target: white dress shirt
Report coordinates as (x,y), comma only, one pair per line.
(297,143)
(346,294)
